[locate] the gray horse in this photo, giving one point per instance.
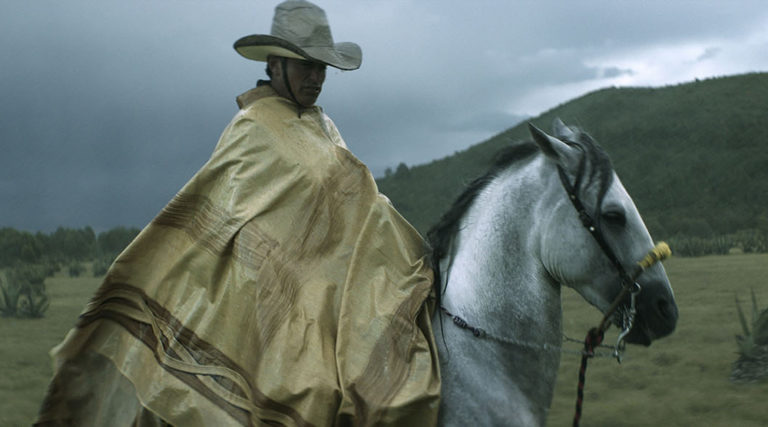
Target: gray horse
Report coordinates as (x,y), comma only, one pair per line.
(504,251)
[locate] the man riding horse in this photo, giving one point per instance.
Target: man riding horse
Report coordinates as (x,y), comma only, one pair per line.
(277,287)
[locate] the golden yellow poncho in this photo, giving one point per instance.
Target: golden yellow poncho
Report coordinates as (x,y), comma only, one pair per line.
(277,287)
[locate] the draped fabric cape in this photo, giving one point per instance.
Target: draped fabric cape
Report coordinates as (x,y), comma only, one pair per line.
(278,287)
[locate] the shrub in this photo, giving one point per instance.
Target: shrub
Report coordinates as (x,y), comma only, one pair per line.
(758,334)
(32,302)
(29,274)
(76,269)
(752,364)
(9,299)
(754,241)
(101,265)
(698,246)
(748,241)
(23,292)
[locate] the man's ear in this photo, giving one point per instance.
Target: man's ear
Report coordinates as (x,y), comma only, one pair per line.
(275,65)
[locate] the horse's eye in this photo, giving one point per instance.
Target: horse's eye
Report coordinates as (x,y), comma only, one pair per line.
(615,218)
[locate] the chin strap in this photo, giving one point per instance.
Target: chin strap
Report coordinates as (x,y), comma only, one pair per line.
(284,66)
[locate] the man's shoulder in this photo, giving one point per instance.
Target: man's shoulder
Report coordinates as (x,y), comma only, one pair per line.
(247,99)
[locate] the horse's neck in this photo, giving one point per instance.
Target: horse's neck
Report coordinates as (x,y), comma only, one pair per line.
(497,283)
(495,277)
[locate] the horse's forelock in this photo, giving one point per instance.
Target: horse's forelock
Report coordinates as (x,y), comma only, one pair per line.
(601,168)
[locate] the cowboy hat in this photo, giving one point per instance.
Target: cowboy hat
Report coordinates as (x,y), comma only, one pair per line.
(300,30)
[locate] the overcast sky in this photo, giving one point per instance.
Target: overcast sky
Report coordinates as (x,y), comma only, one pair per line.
(108,107)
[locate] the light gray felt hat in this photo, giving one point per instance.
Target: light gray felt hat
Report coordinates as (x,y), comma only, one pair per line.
(300,30)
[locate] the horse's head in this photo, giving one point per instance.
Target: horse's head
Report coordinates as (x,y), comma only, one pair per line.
(571,252)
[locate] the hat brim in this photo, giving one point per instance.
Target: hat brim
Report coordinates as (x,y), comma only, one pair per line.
(257,47)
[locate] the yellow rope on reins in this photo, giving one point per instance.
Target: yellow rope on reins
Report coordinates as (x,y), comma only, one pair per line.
(660,252)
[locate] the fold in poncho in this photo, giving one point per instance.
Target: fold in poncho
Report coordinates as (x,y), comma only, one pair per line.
(277,287)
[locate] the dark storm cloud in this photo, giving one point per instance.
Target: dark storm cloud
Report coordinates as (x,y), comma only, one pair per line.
(709,53)
(610,72)
(103,122)
(109,107)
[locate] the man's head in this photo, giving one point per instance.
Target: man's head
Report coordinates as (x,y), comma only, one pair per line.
(296,79)
(301,35)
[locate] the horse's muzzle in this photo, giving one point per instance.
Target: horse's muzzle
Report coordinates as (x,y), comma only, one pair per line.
(656,314)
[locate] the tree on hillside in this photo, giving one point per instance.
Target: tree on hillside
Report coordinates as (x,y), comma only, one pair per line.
(18,246)
(692,156)
(64,246)
(112,242)
(73,244)
(402,170)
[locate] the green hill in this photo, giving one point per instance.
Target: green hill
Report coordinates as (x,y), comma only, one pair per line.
(693,156)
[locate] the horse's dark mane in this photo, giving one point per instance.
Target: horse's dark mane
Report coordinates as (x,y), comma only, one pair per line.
(441,234)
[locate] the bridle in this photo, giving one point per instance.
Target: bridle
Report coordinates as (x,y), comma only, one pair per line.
(629,286)
(589,223)
(628,281)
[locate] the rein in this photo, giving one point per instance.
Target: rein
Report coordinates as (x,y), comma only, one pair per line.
(629,286)
(595,335)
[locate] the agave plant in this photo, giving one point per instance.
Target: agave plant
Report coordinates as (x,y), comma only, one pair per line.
(33,303)
(755,337)
(23,293)
(9,299)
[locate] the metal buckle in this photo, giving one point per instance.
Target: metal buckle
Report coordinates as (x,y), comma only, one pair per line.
(627,322)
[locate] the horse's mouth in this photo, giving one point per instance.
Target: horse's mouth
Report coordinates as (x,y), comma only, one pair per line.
(639,334)
(649,323)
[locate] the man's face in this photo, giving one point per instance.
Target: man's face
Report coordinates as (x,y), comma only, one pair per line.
(305,77)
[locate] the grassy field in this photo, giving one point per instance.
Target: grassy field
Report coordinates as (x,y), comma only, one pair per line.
(25,367)
(681,380)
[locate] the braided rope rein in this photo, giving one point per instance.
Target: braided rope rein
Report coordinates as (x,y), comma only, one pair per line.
(595,335)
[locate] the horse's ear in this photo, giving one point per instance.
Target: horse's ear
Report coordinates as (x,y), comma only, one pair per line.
(560,152)
(562,131)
